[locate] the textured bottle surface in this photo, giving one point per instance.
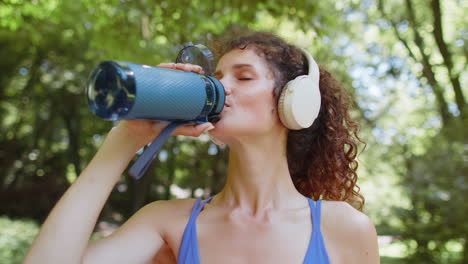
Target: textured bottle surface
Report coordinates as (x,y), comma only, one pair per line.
(166,94)
(124,90)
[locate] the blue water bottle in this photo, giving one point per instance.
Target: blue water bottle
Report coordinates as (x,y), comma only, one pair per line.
(123,90)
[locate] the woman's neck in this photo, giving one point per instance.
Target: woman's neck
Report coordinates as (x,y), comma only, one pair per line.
(258,177)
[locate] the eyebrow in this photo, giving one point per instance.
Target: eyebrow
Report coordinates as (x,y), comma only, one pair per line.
(236,66)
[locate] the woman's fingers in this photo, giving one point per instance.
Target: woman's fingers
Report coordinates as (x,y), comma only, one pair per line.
(188,67)
(182,67)
(188,130)
(193,130)
(168,65)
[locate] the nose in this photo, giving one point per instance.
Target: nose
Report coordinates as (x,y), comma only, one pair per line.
(226,85)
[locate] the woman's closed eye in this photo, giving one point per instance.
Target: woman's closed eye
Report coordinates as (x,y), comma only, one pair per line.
(245,77)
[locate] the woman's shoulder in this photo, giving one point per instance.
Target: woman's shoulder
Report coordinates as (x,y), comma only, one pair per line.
(173,208)
(342,217)
(165,215)
(158,212)
(349,229)
(342,212)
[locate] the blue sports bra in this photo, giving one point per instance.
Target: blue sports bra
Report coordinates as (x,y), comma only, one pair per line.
(316,252)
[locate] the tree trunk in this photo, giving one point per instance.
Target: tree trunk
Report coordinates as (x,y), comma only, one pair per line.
(447,57)
(72,120)
(170,166)
(427,66)
(141,187)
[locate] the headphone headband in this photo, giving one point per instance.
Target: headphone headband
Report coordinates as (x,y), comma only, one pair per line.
(314,71)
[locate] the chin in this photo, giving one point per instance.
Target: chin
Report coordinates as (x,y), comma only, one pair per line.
(235,126)
(227,134)
(220,130)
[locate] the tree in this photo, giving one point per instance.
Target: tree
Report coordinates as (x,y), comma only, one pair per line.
(420,36)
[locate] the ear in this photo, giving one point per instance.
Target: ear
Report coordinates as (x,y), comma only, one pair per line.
(274,106)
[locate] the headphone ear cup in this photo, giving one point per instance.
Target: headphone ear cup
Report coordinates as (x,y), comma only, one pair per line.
(281,107)
(299,103)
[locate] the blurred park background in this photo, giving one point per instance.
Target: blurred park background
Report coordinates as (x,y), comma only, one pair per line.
(403,61)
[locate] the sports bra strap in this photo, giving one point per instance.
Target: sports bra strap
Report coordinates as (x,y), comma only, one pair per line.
(315,207)
(202,205)
(318,214)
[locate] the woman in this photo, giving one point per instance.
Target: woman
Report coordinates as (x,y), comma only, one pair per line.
(264,213)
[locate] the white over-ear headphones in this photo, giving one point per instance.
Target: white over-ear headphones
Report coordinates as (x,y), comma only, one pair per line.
(299,102)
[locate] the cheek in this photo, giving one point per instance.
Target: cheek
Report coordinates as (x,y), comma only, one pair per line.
(260,106)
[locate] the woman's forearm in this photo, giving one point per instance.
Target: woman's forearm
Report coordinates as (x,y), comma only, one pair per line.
(65,233)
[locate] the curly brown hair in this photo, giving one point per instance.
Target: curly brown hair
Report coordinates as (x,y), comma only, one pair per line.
(322,158)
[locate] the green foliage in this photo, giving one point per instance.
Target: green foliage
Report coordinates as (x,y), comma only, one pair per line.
(15,13)
(436,185)
(16,237)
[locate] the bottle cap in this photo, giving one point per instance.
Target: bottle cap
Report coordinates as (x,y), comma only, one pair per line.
(199,55)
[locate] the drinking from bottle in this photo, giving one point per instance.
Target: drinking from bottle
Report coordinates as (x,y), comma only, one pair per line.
(124,90)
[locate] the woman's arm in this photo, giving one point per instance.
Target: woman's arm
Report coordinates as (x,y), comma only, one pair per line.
(365,243)
(65,234)
(66,231)
(137,241)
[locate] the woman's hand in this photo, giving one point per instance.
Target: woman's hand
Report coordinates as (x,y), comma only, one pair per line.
(142,132)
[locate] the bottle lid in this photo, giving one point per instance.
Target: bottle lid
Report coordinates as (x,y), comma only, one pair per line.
(197,54)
